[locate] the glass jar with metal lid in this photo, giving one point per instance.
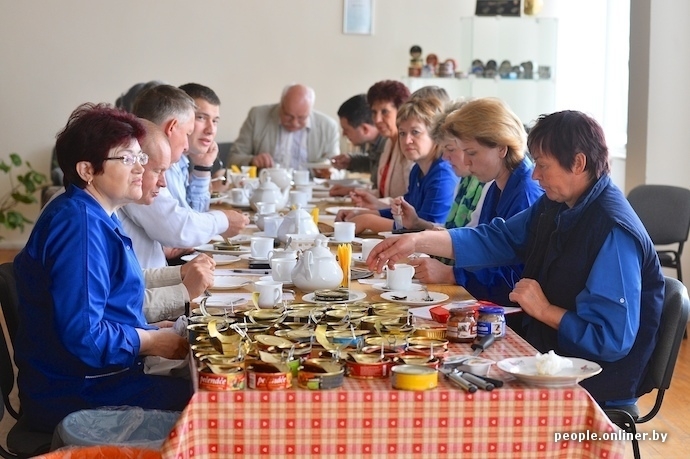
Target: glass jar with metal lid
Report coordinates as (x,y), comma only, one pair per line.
(461,326)
(491,320)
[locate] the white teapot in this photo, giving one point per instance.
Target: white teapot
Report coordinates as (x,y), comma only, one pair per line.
(269,192)
(279,176)
(297,221)
(317,268)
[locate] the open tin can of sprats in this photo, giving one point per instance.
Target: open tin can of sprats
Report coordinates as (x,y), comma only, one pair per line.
(368,366)
(414,377)
(320,374)
(268,376)
(221,374)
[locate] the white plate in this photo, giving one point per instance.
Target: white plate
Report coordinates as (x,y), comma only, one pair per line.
(218,199)
(319,165)
(413,288)
(354,296)
(220,259)
(335,210)
(414,298)
(229,282)
(248,256)
(270,279)
(355,240)
(237,205)
(208,248)
(525,370)
(339,200)
(239,239)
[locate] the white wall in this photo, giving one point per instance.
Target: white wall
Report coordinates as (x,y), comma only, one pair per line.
(659,111)
(55,55)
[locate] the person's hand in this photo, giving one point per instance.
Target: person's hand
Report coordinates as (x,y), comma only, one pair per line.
(220,186)
(321,173)
(163,324)
(410,218)
(262,160)
(432,271)
(391,251)
(163,342)
(204,158)
(340,190)
(346,215)
(363,198)
(530,296)
(172,253)
(341,161)
(197,274)
(236,222)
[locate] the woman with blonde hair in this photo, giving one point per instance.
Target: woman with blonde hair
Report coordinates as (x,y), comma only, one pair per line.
(432,181)
(493,142)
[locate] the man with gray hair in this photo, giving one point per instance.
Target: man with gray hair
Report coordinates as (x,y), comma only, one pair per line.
(169,221)
(290,133)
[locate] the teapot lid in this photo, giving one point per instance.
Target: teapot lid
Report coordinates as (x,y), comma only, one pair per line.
(320,248)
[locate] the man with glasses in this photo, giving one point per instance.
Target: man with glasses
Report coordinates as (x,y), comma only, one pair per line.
(169,221)
(168,288)
(290,133)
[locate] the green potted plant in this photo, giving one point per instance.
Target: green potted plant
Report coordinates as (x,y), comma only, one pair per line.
(24,181)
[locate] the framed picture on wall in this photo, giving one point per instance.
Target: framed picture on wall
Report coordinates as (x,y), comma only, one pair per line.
(358,17)
(498,8)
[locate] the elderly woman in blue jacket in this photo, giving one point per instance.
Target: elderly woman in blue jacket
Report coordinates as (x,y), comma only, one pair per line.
(82,332)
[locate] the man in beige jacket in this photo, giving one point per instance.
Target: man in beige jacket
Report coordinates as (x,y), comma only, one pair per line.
(290,133)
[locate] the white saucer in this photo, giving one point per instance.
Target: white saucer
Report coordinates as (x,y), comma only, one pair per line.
(229,282)
(220,259)
(414,298)
(354,296)
(382,286)
(238,205)
(335,210)
(248,256)
(208,248)
(270,279)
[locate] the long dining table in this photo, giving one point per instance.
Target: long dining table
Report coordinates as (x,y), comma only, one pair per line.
(369,418)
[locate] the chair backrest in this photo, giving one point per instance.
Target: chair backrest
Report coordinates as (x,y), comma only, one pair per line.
(674,319)
(664,211)
(9,299)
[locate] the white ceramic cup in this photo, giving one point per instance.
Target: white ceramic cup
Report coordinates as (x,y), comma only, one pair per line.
(281,269)
(270,293)
(271,224)
(343,231)
(298,198)
(265,208)
(239,196)
(306,189)
(300,177)
(260,247)
(238,178)
(400,278)
(282,253)
(367,246)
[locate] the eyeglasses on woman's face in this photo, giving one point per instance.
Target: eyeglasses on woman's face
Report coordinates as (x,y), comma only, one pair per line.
(128,159)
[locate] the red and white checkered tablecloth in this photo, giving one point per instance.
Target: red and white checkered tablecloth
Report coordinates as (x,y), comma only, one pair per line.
(368,418)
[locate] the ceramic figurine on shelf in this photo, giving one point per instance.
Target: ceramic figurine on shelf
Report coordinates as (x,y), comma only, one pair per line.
(504,69)
(490,69)
(432,63)
(447,68)
(416,62)
(477,68)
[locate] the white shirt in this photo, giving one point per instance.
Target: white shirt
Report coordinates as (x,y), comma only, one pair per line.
(167,223)
(291,148)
